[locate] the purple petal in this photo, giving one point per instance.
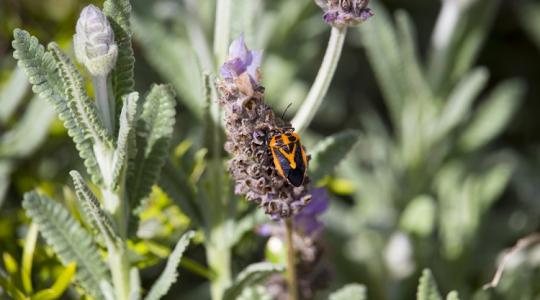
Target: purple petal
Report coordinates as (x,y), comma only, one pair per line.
(256,58)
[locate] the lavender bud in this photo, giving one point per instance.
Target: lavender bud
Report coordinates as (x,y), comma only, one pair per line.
(249,125)
(342,13)
(94,42)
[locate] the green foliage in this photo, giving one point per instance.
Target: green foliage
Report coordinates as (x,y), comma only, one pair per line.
(427,287)
(69,240)
(41,69)
(330,152)
(126,144)
(154,131)
(99,219)
(59,286)
(169,275)
(250,277)
(351,291)
(122,76)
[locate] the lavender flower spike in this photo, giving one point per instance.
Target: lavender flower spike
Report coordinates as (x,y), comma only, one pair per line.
(342,13)
(249,123)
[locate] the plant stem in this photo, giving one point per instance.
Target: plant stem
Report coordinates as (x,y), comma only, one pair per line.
(119,264)
(218,254)
(105,107)
(222,30)
(318,90)
(291,261)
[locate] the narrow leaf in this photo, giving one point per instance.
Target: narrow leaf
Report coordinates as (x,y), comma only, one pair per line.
(330,152)
(99,219)
(352,291)
(126,147)
(68,239)
(427,287)
(7,285)
(169,275)
(28,257)
(12,94)
(493,115)
(154,131)
(122,76)
(453,295)
(250,276)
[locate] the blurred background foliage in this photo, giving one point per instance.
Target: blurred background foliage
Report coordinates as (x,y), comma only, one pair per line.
(445,174)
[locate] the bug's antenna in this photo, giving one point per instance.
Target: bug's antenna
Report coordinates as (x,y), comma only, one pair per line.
(283,114)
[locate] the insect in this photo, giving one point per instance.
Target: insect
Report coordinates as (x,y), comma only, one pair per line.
(289,156)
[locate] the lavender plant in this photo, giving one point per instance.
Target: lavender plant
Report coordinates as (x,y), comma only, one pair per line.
(123,152)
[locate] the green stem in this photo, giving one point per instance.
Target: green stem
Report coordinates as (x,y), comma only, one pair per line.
(119,264)
(105,107)
(222,30)
(318,90)
(291,261)
(218,255)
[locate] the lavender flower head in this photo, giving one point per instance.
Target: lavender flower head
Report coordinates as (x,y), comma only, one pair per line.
(249,124)
(342,13)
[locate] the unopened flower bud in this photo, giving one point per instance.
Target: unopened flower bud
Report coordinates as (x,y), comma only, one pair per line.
(94,42)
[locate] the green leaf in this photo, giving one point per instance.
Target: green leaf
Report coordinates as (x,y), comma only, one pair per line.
(493,115)
(250,276)
(29,132)
(12,94)
(126,145)
(169,275)
(174,59)
(427,287)
(154,132)
(330,152)
(459,103)
(59,286)
(419,216)
(352,291)
(41,69)
(11,265)
(453,295)
(28,257)
(99,219)
(122,76)
(68,239)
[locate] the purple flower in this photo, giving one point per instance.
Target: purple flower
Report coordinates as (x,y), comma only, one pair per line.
(345,12)
(242,60)
(307,220)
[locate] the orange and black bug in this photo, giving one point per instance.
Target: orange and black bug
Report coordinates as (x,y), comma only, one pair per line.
(289,156)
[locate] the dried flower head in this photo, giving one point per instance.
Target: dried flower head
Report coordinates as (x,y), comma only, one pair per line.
(94,41)
(345,12)
(249,124)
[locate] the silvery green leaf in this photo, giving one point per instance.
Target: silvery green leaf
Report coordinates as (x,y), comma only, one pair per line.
(42,71)
(125,145)
(257,292)
(98,217)
(122,76)
(174,59)
(352,291)
(427,287)
(329,152)
(460,100)
(170,274)
(493,115)
(69,240)
(12,93)
(154,131)
(250,276)
(29,132)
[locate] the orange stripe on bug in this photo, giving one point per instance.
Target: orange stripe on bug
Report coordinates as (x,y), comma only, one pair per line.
(289,156)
